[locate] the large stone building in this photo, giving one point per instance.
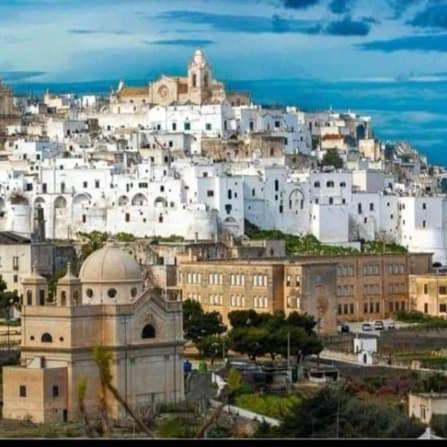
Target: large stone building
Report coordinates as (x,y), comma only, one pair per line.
(198,87)
(109,304)
(332,289)
(428,294)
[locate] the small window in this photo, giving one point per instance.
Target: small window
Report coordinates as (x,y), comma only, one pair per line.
(111,293)
(443,290)
(133,292)
(148,331)
(55,391)
(425,289)
(443,308)
(46,338)
(210,193)
(22,390)
(89,293)
(29,298)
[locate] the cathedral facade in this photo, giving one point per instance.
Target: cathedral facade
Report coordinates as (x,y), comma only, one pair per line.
(108,305)
(198,87)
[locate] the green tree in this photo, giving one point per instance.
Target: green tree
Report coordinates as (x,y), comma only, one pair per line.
(439,425)
(334,412)
(212,347)
(331,158)
(92,241)
(198,324)
(7,298)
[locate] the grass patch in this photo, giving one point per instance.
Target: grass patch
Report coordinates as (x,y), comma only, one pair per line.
(424,321)
(268,405)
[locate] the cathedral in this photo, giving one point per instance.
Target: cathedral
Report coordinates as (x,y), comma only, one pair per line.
(198,88)
(110,305)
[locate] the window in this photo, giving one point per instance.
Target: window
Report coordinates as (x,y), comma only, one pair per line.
(442,290)
(187,126)
(288,281)
(29,298)
(443,308)
(85,184)
(276,185)
(316,184)
(426,308)
(46,338)
(89,293)
(16,278)
(42,297)
(208,126)
(133,292)
(15,263)
(277,124)
(230,194)
(111,293)
(84,218)
(174,126)
(331,201)
(210,193)
(424,206)
(359,208)
(22,391)
(97,183)
(330,184)
(63,298)
(424,224)
(371,206)
(425,289)
(342,185)
(55,391)
(148,331)
(127,217)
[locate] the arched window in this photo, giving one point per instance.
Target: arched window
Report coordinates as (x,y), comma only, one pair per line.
(29,298)
(42,297)
(63,298)
(194,80)
(46,338)
(111,293)
(148,331)
(75,297)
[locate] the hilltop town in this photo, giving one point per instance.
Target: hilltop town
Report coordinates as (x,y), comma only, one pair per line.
(115,210)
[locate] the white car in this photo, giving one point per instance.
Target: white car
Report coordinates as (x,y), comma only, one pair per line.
(367,327)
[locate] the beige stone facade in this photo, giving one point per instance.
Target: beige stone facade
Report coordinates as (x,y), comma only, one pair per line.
(198,87)
(332,289)
(6,101)
(423,406)
(428,294)
(109,305)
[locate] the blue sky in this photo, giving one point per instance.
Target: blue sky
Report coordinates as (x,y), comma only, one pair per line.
(84,40)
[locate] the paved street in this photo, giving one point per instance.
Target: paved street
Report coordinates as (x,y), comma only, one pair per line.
(356,328)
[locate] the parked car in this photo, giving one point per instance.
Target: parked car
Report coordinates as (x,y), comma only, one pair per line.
(379,326)
(391,325)
(367,327)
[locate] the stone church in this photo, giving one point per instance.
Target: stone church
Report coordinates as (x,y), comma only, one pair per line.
(198,88)
(109,304)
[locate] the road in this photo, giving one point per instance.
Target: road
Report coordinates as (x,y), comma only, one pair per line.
(356,328)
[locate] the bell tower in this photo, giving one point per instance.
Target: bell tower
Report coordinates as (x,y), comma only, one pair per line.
(69,289)
(35,288)
(199,78)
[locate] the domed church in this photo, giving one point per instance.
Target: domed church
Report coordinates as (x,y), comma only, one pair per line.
(107,305)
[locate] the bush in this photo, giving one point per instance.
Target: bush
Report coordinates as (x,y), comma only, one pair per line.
(176,428)
(439,425)
(268,405)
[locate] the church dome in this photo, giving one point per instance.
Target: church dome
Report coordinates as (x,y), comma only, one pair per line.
(110,264)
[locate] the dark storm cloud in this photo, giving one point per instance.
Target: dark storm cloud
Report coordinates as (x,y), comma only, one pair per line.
(348,27)
(274,24)
(341,6)
(436,42)
(434,16)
